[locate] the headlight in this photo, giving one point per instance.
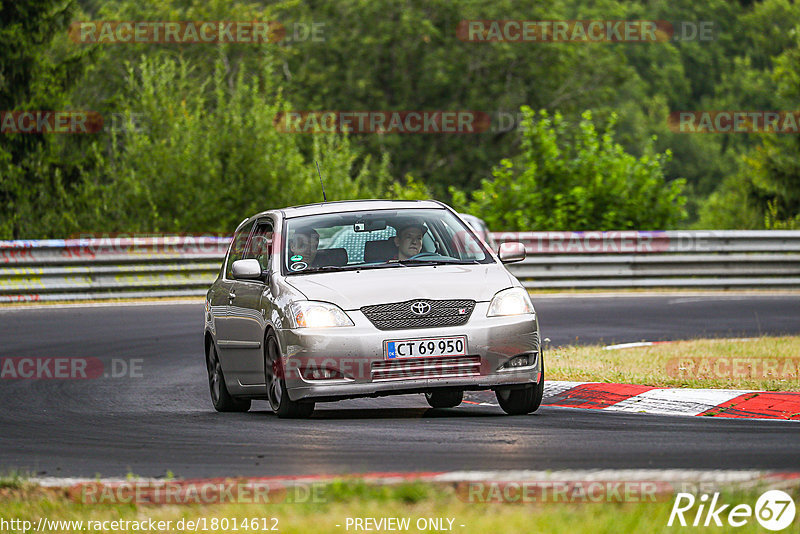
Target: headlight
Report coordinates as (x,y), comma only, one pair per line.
(512,301)
(310,314)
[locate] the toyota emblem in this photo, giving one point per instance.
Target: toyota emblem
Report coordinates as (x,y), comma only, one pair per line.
(420,308)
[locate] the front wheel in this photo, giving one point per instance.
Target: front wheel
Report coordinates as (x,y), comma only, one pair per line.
(220,398)
(522,400)
(279,399)
(447,398)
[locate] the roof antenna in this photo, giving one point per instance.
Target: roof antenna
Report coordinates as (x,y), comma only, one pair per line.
(320,182)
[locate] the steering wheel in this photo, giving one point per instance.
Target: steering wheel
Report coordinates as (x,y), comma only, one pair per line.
(425,255)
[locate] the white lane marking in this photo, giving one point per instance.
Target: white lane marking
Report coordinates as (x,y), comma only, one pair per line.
(628,345)
(676,401)
(556,387)
(719,476)
(651,343)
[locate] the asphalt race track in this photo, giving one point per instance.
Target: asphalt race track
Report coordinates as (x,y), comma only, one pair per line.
(163,420)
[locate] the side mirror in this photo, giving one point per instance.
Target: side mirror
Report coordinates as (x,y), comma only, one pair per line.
(247,270)
(509,252)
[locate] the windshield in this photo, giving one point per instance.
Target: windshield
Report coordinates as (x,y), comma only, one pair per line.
(378,239)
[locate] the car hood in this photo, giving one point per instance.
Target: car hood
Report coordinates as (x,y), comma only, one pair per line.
(351,290)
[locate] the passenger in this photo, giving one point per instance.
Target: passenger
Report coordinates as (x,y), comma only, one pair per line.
(409,239)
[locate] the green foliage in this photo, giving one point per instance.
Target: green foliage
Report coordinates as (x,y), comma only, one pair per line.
(772,220)
(731,206)
(208,154)
(199,151)
(411,190)
(389,55)
(37,175)
(765,192)
(570,178)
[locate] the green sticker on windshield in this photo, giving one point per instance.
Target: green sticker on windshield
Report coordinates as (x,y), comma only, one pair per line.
(296,257)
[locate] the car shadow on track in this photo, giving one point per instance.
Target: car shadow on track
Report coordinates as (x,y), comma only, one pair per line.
(397,413)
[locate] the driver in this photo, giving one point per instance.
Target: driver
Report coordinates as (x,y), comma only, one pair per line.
(305,243)
(409,239)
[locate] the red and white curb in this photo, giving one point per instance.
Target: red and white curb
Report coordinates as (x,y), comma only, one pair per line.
(739,478)
(677,478)
(730,403)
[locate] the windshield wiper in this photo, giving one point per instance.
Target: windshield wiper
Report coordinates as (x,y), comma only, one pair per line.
(335,268)
(437,262)
(323,268)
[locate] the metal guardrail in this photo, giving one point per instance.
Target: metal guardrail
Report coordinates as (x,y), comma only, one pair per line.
(147,267)
(107,268)
(674,259)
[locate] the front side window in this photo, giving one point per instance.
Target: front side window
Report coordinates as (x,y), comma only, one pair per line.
(379,238)
(260,246)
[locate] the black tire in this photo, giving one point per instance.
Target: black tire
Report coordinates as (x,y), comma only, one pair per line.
(522,400)
(220,398)
(279,400)
(444,398)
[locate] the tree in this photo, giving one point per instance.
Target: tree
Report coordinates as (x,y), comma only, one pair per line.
(570,178)
(765,192)
(209,153)
(37,173)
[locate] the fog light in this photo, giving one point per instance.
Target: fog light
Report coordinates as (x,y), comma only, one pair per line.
(521,360)
(321,374)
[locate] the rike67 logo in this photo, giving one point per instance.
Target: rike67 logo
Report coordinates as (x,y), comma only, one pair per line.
(774,510)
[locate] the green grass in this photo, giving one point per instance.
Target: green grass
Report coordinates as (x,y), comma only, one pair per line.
(766,363)
(345,499)
(13,480)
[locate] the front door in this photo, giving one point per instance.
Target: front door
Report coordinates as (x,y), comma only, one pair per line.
(247,314)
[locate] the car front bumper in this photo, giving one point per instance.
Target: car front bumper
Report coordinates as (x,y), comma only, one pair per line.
(358,351)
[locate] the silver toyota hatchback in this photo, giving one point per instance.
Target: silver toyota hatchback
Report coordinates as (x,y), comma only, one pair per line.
(368,298)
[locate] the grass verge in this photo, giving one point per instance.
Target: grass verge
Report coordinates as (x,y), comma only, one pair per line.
(339,501)
(765,364)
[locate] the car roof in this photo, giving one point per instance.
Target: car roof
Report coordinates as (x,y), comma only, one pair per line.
(339,206)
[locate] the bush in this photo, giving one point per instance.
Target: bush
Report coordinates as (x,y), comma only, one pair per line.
(575,179)
(203,155)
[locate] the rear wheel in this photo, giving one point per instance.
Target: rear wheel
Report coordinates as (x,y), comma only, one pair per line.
(522,400)
(447,398)
(276,385)
(220,398)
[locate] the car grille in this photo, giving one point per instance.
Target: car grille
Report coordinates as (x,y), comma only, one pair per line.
(420,368)
(398,315)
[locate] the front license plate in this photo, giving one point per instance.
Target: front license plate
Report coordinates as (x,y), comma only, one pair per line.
(425,347)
